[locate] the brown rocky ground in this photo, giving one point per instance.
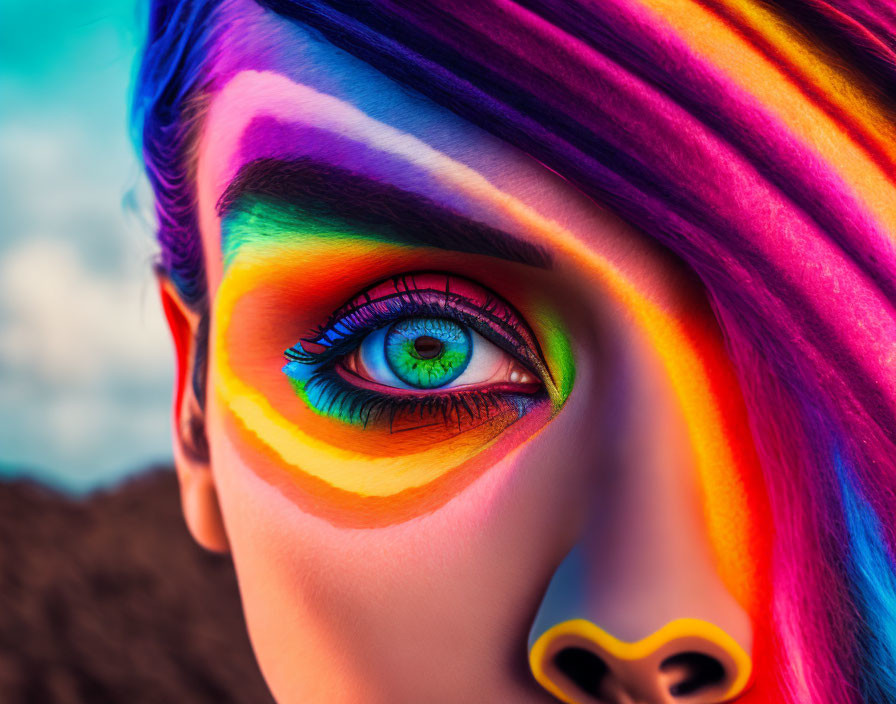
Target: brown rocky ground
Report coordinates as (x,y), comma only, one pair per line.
(107,600)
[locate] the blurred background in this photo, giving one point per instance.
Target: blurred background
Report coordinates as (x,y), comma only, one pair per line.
(85,365)
(103,596)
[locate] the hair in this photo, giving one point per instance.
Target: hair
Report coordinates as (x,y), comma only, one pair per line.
(793,243)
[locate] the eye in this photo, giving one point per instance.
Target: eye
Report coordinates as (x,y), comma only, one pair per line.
(433,353)
(417,348)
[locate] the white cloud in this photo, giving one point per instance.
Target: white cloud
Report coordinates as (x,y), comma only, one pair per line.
(71,326)
(85,364)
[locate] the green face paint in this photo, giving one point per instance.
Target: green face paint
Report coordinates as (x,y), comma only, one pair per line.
(558,352)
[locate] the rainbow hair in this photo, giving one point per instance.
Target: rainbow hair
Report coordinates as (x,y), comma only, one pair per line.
(756,139)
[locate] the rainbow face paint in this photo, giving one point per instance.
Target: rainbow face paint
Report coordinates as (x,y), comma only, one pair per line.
(358,478)
(603,255)
(310,386)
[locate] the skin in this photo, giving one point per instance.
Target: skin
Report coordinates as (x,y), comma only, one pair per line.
(367,578)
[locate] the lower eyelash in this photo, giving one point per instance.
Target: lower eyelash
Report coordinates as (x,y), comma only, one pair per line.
(329,394)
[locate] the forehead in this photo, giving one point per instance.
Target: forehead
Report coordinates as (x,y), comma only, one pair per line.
(338,88)
(282,92)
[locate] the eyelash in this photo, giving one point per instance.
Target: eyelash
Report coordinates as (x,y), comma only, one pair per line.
(364,406)
(327,391)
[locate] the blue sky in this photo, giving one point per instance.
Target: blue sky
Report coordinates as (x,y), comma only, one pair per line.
(85,362)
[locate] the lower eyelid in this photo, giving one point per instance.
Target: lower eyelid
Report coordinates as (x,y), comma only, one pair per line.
(508,387)
(334,393)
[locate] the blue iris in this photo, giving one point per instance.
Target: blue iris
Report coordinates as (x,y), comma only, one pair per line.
(427,353)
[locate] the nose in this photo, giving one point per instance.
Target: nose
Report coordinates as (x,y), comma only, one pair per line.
(590,643)
(637,612)
(637,615)
(687,661)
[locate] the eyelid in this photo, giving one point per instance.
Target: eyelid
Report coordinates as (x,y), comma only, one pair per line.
(428,293)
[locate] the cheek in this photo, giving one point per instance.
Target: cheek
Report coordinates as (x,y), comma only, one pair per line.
(293,631)
(381,611)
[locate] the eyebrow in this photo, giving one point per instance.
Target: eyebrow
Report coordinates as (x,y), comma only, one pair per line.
(325,191)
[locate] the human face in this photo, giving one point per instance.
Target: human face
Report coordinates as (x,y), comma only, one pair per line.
(473,437)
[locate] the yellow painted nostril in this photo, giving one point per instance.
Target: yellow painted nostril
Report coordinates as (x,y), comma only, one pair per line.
(687,660)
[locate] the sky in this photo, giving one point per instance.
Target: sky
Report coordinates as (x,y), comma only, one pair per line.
(85,360)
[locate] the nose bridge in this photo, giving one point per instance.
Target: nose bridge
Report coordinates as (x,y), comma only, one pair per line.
(637,611)
(645,557)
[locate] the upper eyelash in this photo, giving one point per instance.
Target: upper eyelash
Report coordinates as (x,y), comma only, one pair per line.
(408,294)
(340,332)
(334,341)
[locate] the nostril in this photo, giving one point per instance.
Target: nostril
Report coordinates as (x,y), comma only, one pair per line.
(692,672)
(585,669)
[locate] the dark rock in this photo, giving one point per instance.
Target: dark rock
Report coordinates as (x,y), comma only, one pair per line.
(107,599)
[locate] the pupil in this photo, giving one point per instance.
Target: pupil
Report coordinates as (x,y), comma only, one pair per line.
(427,347)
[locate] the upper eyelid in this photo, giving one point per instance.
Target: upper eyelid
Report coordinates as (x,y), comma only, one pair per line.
(334,321)
(516,327)
(335,348)
(364,298)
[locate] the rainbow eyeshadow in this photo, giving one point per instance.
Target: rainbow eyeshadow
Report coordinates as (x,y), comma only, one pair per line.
(303,294)
(301,238)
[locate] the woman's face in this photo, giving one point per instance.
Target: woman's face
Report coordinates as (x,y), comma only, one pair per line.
(468,431)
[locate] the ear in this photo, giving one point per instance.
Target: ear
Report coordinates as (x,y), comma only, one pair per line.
(198,494)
